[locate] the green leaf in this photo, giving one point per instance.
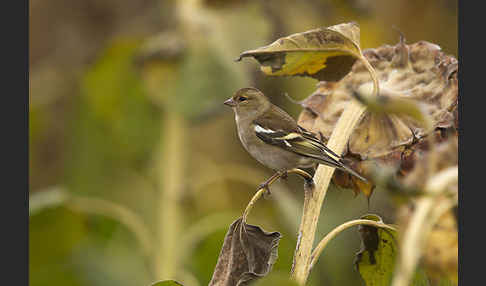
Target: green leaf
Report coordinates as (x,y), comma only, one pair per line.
(200,62)
(114,126)
(376,259)
(167,283)
(324,53)
(420,278)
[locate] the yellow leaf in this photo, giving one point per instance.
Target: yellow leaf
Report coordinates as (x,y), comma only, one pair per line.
(324,53)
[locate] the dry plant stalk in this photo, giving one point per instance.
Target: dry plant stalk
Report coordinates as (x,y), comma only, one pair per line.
(323,243)
(261,191)
(313,200)
(120,213)
(410,111)
(427,211)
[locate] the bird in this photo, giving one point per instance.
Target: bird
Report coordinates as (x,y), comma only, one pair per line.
(272,137)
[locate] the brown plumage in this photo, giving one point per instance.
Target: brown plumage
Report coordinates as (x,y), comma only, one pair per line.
(273,137)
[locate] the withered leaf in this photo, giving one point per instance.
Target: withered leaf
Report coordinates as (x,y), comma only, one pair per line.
(428,77)
(348,181)
(420,72)
(326,53)
(248,253)
(281,278)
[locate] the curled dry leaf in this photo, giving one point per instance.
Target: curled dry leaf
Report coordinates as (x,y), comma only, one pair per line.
(248,253)
(419,72)
(344,180)
(277,278)
(323,53)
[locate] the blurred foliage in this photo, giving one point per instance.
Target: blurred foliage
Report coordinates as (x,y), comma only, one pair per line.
(115,126)
(96,127)
(167,283)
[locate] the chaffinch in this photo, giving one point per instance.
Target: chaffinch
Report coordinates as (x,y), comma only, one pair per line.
(274,139)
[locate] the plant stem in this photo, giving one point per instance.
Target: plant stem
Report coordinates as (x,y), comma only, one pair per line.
(323,243)
(371,70)
(252,202)
(170,166)
(313,199)
(261,191)
(421,223)
(118,212)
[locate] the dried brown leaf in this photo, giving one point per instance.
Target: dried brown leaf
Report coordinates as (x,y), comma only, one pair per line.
(433,82)
(348,181)
(420,73)
(248,253)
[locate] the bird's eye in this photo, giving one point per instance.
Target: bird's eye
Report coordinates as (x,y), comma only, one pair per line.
(241,98)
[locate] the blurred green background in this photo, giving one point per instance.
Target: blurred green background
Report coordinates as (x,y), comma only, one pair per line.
(135,167)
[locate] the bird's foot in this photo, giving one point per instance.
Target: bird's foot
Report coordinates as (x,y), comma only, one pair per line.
(309,186)
(308,181)
(264,186)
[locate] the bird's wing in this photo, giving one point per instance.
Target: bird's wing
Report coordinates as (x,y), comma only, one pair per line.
(330,158)
(281,130)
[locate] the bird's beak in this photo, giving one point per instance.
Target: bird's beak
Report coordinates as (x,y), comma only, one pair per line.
(230,102)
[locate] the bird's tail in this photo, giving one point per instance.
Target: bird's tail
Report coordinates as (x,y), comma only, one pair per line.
(352,172)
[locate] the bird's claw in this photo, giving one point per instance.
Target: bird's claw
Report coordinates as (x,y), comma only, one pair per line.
(265,187)
(309,185)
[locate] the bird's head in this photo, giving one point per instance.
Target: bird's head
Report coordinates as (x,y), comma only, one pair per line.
(249,101)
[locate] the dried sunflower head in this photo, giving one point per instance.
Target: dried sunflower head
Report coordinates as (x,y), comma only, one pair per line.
(419,72)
